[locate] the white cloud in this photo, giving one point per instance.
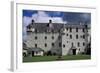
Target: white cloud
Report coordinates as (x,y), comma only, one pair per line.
(40,17)
(85,16)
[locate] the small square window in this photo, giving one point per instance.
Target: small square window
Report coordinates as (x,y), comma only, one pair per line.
(45,37)
(53,44)
(83,44)
(45,44)
(52,37)
(35,37)
(35,45)
(63,45)
(60,44)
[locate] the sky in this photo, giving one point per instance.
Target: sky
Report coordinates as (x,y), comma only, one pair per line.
(55,16)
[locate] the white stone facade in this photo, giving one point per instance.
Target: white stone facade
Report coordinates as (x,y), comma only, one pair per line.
(71,37)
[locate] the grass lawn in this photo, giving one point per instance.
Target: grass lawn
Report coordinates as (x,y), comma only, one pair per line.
(55,58)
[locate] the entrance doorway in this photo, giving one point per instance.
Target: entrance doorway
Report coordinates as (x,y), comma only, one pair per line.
(32,53)
(74,51)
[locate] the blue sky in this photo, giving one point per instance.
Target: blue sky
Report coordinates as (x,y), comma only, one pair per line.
(55,16)
(73,17)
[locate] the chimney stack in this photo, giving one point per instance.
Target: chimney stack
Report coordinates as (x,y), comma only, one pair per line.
(32,21)
(50,21)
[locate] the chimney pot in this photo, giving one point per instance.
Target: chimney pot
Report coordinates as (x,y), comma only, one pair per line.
(32,21)
(50,21)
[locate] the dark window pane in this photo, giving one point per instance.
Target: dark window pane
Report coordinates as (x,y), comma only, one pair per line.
(59,37)
(67,29)
(70,29)
(52,37)
(35,30)
(70,36)
(45,44)
(83,30)
(76,29)
(45,37)
(35,45)
(53,44)
(60,44)
(63,45)
(66,34)
(83,44)
(72,44)
(36,37)
(78,44)
(83,36)
(77,36)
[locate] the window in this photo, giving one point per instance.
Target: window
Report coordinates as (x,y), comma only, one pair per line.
(35,45)
(78,44)
(67,29)
(83,44)
(72,43)
(45,44)
(45,37)
(83,30)
(79,49)
(76,29)
(52,44)
(35,30)
(52,37)
(67,34)
(59,37)
(35,37)
(63,45)
(60,44)
(77,36)
(70,36)
(59,31)
(70,29)
(83,36)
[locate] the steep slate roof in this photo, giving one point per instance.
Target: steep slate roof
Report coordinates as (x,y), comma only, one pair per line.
(43,27)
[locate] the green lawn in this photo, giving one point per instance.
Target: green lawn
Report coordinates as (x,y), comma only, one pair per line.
(55,58)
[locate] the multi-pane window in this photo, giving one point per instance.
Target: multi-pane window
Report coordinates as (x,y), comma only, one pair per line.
(83,44)
(67,34)
(83,30)
(52,44)
(78,44)
(35,30)
(52,37)
(45,44)
(45,37)
(35,37)
(76,29)
(60,44)
(63,45)
(83,36)
(77,36)
(72,43)
(70,36)
(67,29)
(35,45)
(59,37)
(70,29)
